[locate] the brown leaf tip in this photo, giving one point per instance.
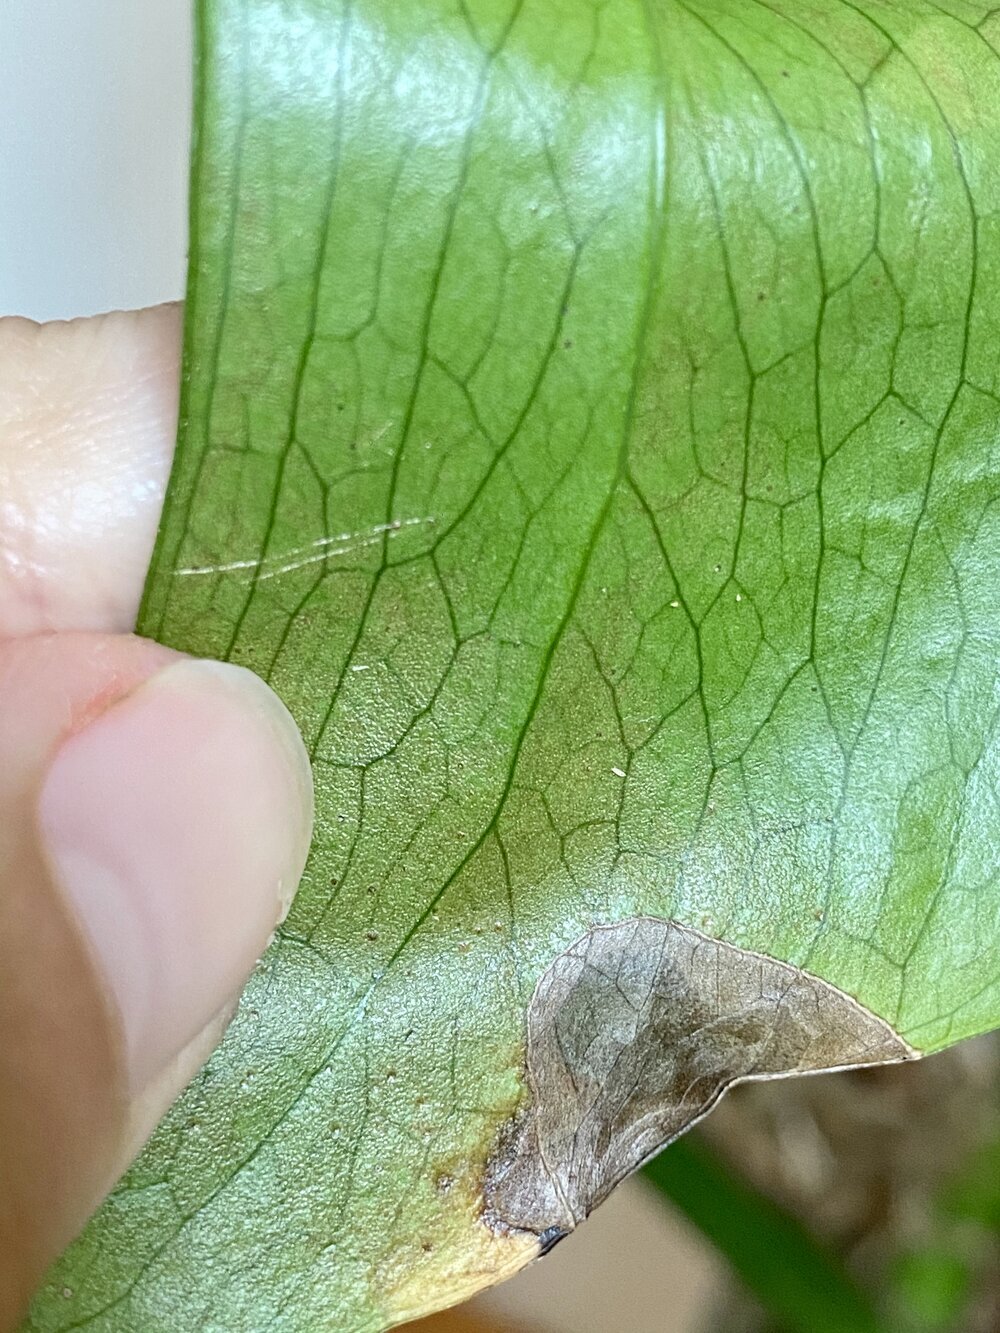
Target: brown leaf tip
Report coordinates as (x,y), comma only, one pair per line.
(634,1033)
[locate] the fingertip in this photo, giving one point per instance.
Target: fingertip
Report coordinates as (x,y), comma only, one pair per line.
(155,814)
(177,826)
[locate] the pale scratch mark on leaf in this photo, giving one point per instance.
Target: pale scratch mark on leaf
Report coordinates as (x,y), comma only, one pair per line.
(323,548)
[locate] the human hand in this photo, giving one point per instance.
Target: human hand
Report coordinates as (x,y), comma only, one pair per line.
(155,811)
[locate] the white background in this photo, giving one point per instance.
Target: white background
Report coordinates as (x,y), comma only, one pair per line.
(94,114)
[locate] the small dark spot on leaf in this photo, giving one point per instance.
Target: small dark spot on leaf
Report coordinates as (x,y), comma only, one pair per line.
(550,1238)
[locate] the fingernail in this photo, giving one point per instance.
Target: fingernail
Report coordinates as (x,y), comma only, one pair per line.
(177,825)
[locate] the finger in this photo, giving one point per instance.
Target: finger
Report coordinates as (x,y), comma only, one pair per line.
(88,412)
(155,815)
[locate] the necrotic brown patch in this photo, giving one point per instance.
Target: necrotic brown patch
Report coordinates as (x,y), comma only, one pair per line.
(634,1033)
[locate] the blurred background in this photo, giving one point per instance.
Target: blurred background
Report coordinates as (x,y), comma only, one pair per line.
(844,1204)
(94,105)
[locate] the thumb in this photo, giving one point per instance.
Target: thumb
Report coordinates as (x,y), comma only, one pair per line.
(155,814)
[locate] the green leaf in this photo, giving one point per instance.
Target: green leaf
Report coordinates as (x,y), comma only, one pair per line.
(591,430)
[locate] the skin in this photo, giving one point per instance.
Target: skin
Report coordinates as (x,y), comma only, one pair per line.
(113,988)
